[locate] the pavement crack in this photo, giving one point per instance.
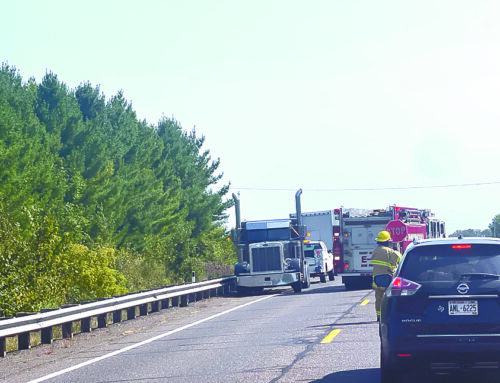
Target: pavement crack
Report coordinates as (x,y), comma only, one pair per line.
(310,346)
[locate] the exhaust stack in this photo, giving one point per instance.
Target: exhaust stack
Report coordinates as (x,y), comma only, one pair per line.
(298,208)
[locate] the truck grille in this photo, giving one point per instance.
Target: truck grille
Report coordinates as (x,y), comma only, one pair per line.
(266,259)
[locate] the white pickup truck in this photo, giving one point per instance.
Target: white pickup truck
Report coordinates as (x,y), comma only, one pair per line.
(319,260)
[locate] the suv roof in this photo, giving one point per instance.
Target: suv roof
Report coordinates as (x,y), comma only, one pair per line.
(454,240)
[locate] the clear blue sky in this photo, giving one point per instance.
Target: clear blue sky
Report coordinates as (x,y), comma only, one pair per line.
(318,95)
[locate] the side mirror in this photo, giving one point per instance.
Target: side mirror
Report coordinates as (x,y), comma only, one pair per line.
(383,280)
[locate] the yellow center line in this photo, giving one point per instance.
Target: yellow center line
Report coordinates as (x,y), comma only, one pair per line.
(330,336)
(365,302)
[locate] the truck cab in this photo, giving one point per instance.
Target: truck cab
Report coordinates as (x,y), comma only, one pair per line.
(319,260)
(269,253)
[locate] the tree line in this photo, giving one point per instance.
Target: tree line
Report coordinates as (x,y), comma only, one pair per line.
(493,230)
(95,202)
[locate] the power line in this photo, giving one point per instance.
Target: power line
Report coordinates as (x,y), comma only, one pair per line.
(372,189)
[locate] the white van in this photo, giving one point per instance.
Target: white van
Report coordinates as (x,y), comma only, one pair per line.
(319,260)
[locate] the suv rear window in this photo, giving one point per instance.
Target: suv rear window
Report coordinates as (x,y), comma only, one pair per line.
(449,262)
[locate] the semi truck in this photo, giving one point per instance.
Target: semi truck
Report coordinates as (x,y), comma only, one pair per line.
(270,253)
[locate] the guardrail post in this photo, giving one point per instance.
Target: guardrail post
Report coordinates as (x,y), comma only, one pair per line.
(175,301)
(23,340)
(225,290)
(155,306)
(143,309)
(164,304)
(206,294)
(213,292)
(3,352)
(192,298)
(102,321)
(117,316)
(86,324)
(184,300)
(46,334)
(67,330)
(131,313)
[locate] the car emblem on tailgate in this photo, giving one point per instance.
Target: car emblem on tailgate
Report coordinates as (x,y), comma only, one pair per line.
(463,288)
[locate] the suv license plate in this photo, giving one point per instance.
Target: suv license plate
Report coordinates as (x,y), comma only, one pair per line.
(463,308)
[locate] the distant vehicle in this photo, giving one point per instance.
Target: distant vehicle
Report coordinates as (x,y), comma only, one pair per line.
(319,260)
(270,253)
(441,312)
(324,226)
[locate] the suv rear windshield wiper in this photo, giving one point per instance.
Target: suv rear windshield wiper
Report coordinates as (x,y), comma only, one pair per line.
(480,276)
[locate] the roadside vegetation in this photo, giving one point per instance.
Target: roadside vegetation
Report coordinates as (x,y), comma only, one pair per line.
(493,230)
(95,203)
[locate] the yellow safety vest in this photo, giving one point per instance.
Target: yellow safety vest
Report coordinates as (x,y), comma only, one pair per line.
(384,260)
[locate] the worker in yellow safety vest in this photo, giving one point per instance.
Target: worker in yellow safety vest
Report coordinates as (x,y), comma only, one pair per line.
(384,261)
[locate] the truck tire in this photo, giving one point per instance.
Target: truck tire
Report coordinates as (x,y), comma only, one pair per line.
(349,285)
(242,291)
(307,281)
(297,287)
(322,278)
(331,275)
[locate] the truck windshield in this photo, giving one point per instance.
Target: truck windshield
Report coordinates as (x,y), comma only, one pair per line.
(309,250)
(309,253)
(278,234)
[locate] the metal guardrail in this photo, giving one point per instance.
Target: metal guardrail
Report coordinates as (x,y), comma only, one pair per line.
(181,295)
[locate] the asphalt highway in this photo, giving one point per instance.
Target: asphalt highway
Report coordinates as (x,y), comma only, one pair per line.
(324,334)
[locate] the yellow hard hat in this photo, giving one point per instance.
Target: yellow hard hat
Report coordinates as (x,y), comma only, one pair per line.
(383,236)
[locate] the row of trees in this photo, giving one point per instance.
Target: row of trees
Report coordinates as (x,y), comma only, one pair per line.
(493,230)
(94,202)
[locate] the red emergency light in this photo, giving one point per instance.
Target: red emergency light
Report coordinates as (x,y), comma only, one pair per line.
(457,247)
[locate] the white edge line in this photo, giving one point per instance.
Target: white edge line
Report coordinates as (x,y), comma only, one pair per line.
(125,349)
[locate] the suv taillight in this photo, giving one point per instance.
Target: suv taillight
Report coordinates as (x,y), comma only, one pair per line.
(402,287)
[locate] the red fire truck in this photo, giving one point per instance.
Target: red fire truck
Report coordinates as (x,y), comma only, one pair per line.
(354,238)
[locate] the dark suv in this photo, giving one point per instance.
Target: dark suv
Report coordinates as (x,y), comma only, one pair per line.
(441,312)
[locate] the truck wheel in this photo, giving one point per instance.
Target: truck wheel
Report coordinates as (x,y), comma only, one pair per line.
(331,275)
(242,291)
(307,281)
(322,278)
(297,287)
(349,285)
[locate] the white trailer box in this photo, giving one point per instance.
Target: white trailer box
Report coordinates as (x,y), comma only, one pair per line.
(319,225)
